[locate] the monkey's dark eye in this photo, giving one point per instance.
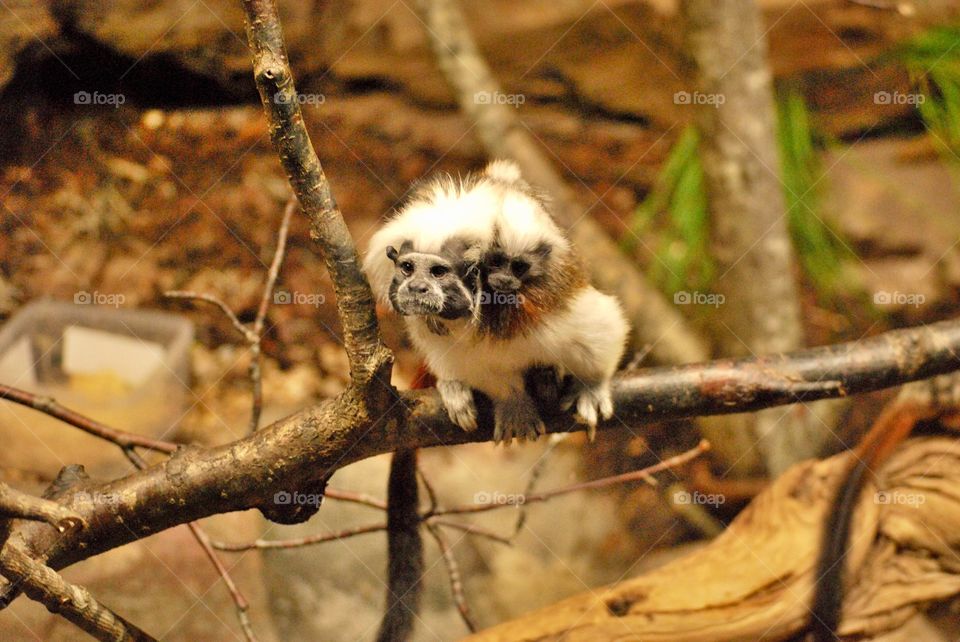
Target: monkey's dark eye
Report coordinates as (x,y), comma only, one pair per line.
(520,267)
(406,267)
(439,271)
(497,261)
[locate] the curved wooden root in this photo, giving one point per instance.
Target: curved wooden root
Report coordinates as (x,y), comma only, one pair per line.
(754,581)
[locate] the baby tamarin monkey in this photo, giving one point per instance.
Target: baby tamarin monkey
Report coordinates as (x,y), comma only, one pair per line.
(533,305)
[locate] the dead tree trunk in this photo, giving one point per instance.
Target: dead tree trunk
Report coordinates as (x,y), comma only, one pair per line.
(750,241)
(755,580)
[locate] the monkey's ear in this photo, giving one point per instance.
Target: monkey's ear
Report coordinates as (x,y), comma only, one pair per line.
(543,250)
(392,253)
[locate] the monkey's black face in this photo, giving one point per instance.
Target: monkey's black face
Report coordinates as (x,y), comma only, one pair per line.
(432,284)
(507,274)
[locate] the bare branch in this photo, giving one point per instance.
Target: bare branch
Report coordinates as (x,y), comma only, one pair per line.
(470,529)
(636,475)
(73,602)
(303,450)
(19,505)
(255,347)
(264,544)
(239,600)
(49,406)
(217,301)
(368,358)
(356,498)
(453,571)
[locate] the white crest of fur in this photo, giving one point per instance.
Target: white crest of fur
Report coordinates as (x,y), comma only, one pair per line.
(504,170)
(523,223)
(496,200)
(442,209)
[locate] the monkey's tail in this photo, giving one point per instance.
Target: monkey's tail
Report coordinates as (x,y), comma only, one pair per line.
(404,541)
(890,429)
(828,593)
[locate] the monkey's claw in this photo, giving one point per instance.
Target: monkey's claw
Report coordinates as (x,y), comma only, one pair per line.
(592,404)
(458,400)
(516,417)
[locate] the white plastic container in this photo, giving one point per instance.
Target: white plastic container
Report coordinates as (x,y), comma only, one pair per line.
(128,369)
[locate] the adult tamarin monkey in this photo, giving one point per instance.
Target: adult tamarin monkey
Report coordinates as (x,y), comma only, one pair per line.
(535,308)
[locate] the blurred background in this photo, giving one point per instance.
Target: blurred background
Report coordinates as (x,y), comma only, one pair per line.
(135,159)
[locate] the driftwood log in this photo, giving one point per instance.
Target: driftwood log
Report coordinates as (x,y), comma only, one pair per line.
(754,581)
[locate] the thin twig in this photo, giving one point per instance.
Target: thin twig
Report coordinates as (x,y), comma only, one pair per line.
(636,475)
(255,346)
(264,544)
(239,600)
(431,493)
(49,406)
(356,498)
(217,301)
(535,473)
(471,529)
(274,271)
(453,570)
(252,335)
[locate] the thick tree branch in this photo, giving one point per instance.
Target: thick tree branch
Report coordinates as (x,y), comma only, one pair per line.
(300,452)
(361,335)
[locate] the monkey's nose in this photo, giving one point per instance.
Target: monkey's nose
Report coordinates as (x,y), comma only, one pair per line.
(418,287)
(504,283)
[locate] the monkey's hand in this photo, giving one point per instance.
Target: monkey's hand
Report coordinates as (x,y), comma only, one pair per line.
(458,400)
(593,402)
(516,416)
